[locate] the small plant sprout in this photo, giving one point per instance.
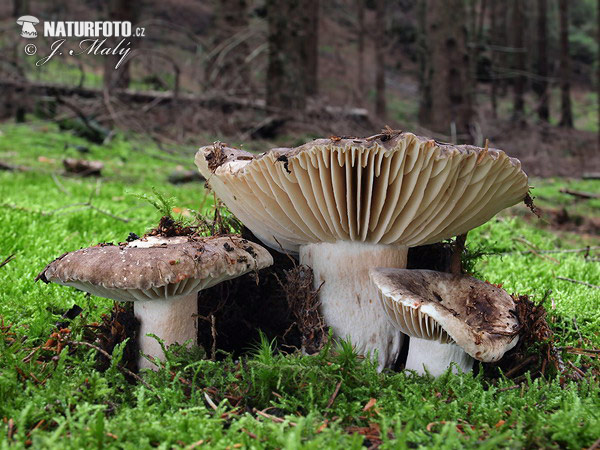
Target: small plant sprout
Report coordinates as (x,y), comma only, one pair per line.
(162,276)
(348,205)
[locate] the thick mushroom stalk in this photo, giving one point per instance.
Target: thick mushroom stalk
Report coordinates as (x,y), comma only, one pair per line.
(162,276)
(173,320)
(449,318)
(364,200)
(433,357)
(349,299)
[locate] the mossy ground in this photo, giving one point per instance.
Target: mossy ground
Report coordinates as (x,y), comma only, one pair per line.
(66,402)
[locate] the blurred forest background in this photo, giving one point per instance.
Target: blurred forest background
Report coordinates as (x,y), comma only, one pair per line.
(524,74)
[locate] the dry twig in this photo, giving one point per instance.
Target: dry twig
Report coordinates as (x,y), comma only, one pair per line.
(7,260)
(108,356)
(571,280)
(334,395)
(273,418)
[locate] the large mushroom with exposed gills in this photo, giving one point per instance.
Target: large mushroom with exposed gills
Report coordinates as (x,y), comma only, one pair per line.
(348,205)
(162,276)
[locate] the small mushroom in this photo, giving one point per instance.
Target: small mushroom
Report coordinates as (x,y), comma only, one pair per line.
(449,318)
(161,275)
(28,22)
(348,205)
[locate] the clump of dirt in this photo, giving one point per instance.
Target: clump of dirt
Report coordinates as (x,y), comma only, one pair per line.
(169,227)
(279,301)
(535,351)
(216,157)
(528,200)
(114,328)
(303,302)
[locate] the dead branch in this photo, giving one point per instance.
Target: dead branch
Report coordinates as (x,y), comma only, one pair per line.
(571,280)
(591,176)
(108,356)
(535,250)
(7,260)
(273,418)
(580,194)
(12,167)
(59,185)
(209,102)
(334,395)
(83,167)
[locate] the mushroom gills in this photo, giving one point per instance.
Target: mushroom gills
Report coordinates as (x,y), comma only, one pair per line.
(436,350)
(449,318)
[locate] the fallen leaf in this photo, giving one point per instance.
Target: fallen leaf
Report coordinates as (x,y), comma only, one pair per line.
(370,404)
(322,426)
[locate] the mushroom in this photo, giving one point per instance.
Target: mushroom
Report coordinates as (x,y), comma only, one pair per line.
(347,205)
(161,275)
(28,22)
(449,318)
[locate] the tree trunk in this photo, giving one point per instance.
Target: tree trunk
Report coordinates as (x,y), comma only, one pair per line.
(310,46)
(20,8)
(118,10)
(518,23)
(446,102)
(477,36)
(15,102)
(227,70)
(360,5)
(494,60)
(598,71)
(540,86)
(380,57)
(566,119)
(285,84)
(503,41)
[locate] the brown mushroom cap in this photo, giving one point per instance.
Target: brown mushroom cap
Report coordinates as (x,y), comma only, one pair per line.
(393,189)
(477,316)
(156,267)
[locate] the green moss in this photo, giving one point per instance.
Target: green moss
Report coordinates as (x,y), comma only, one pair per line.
(79,407)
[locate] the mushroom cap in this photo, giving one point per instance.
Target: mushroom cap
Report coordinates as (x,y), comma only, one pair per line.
(154,268)
(30,19)
(389,189)
(473,314)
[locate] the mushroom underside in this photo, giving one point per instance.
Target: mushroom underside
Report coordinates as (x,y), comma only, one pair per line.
(396,189)
(450,318)
(162,276)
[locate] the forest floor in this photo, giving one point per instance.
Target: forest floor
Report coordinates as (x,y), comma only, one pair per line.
(55,395)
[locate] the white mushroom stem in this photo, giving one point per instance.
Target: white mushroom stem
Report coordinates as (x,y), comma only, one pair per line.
(173,320)
(436,357)
(349,300)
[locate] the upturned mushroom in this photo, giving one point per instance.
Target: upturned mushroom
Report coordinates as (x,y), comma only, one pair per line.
(347,205)
(449,318)
(161,275)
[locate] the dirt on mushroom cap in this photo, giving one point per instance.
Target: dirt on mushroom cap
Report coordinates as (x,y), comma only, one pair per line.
(129,267)
(479,317)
